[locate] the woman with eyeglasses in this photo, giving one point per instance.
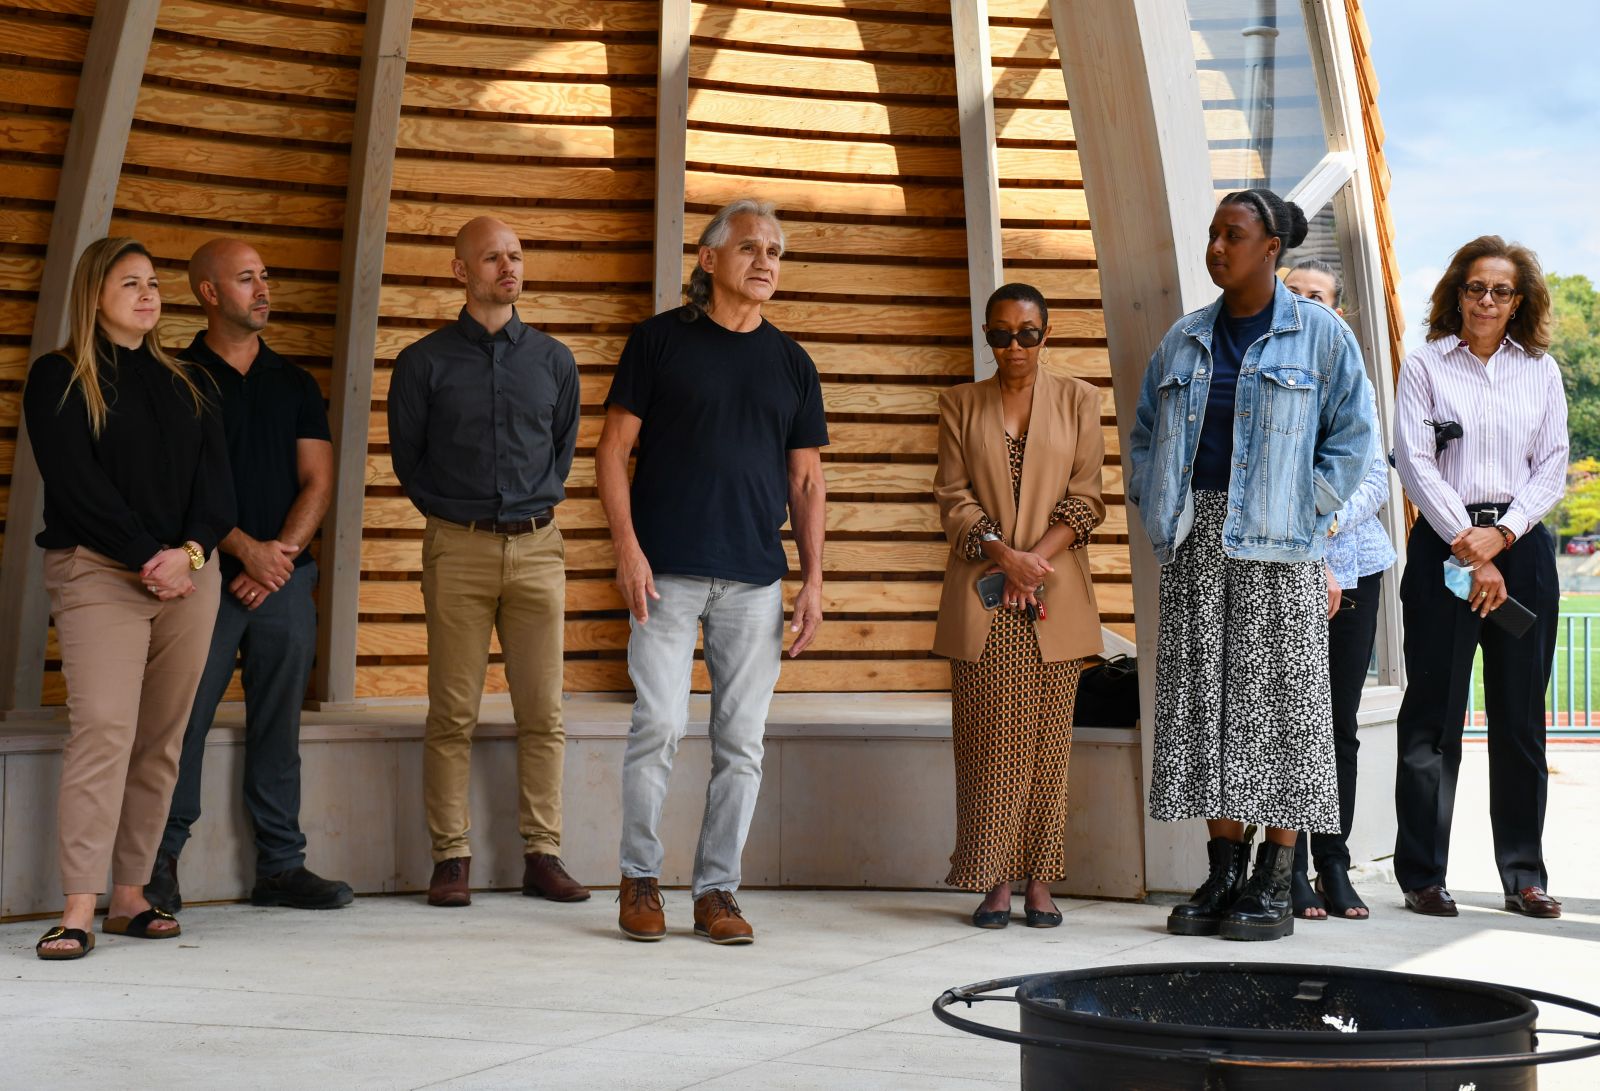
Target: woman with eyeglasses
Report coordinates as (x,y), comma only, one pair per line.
(1254,428)
(1485,378)
(1018,486)
(1357,556)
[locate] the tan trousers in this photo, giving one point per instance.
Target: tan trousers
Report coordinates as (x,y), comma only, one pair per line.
(474,582)
(132,664)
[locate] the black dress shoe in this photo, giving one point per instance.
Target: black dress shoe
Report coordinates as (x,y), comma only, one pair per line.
(298,888)
(1042,918)
(162,890)
(1431,901)
(991,918)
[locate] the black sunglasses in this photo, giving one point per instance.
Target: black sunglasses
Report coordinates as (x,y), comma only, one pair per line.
(1027,337)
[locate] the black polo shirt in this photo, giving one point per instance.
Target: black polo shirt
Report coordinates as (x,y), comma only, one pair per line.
(265,413)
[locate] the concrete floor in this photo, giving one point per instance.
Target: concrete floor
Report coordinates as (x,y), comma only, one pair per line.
(516,993)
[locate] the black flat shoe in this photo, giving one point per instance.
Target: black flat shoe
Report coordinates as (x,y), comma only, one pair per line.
(990,918)
(1333,883)
(1040,918)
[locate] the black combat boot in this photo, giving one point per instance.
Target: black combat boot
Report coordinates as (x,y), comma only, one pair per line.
(1202,914)
(1264,910)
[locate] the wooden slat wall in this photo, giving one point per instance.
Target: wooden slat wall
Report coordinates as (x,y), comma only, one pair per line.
(242,128)
(1047,242)
(41,53)
(1378,166)
(543,115)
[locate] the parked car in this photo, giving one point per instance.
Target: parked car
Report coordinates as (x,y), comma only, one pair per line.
(1581,546)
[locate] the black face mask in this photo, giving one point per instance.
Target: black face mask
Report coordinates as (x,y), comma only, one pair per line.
(1443,432)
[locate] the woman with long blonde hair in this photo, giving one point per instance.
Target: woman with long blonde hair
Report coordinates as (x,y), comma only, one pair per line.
(137,496)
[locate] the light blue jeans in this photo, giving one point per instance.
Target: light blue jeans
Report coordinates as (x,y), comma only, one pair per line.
(743,648)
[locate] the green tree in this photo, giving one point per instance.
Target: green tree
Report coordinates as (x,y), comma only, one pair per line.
(1579,511)
(1575,307)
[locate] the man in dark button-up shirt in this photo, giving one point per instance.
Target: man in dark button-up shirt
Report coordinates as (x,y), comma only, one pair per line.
(282,465)
(483,418)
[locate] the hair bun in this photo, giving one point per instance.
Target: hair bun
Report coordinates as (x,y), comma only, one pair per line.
(1298,227)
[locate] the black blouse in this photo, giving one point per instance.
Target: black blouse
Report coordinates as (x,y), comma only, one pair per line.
(156,477)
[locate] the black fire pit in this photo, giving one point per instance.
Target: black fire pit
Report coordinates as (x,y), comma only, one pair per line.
(1223,1026)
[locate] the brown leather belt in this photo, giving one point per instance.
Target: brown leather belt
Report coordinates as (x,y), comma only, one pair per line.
(540,520)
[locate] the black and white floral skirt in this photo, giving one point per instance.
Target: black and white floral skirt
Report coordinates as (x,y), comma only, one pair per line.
(1244,720)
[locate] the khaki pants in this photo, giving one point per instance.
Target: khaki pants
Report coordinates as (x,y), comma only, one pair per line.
(474,582)
(132,664)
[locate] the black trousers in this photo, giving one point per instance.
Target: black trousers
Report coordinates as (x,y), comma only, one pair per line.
(1351,633)
(1441,636)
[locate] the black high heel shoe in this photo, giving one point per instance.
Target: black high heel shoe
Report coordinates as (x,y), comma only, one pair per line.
(1333,883)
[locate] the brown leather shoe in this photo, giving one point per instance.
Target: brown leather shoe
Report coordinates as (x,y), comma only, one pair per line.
(641,916)
(451,884)
(1431,901)
(1532,901)
(544,876)
(717,918)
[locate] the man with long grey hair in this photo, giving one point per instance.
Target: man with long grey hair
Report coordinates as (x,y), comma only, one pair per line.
(727,413)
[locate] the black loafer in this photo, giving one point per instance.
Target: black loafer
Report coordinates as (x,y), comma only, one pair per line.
(1039,918)
(992,918)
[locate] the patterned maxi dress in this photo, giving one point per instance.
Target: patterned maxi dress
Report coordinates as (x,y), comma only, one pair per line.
(1012,728)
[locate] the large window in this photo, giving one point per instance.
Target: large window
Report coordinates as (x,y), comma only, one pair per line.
(1282,112)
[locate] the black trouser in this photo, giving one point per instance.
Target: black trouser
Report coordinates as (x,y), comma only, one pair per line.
(1441,637)
(1351,633)
(278,641)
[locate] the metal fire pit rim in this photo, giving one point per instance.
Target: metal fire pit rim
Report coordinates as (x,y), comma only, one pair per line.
(970,994)
(1291,969)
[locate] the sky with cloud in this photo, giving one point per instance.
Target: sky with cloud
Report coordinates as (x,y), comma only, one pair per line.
(1491,112)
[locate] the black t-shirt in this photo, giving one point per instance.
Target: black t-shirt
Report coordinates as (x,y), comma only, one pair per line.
(720,412)
(1231,338)
(265,412)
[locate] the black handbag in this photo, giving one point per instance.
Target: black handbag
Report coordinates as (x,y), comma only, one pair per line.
(1108,694)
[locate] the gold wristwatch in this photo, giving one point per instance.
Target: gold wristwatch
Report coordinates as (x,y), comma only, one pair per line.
(197,556)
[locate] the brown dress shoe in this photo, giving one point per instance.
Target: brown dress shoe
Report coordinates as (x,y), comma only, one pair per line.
(1431,901)
(641,916)
(1533,902)
(450,884)
(717,918)
(544,876)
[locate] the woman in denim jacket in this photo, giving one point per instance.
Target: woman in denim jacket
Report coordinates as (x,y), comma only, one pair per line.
(1254,428)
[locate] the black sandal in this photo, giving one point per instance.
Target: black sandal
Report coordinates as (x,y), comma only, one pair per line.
(83,939)
(1333,883)
(1304,897)
(139,927)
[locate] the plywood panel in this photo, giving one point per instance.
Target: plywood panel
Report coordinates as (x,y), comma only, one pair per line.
(207,66)
(264,29)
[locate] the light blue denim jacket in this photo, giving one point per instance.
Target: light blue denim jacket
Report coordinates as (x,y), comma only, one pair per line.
(1304,434)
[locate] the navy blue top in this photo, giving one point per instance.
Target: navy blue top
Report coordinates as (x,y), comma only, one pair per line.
(1231,339)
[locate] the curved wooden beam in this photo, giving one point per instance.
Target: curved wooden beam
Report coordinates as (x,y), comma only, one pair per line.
(113,67)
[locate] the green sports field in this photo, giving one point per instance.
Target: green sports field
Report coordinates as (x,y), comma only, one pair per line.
(1573,606)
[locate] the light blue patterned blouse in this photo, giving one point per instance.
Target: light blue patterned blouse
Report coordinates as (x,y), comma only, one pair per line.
(1362,546)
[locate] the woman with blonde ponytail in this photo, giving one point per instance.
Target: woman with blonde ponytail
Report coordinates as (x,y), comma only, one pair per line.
(137,495)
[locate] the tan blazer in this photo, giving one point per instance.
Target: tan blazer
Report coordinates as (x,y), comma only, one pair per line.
(1064,457)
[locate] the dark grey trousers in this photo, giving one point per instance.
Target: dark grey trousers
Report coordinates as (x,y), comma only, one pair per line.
(278,642)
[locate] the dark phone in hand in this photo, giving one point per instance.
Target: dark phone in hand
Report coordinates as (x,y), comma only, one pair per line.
(991,589)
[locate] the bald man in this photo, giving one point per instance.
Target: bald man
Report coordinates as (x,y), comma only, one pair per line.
(282,463)
(483,419)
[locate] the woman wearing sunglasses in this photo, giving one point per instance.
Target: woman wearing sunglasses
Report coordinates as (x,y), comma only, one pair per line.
(1254,428)
(1018,487)
(1482,495)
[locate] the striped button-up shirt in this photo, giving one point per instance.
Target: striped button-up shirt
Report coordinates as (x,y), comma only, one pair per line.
(1513,446)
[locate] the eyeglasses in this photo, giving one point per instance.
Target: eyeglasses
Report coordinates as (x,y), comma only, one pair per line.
(1477,288)
(1027,337)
